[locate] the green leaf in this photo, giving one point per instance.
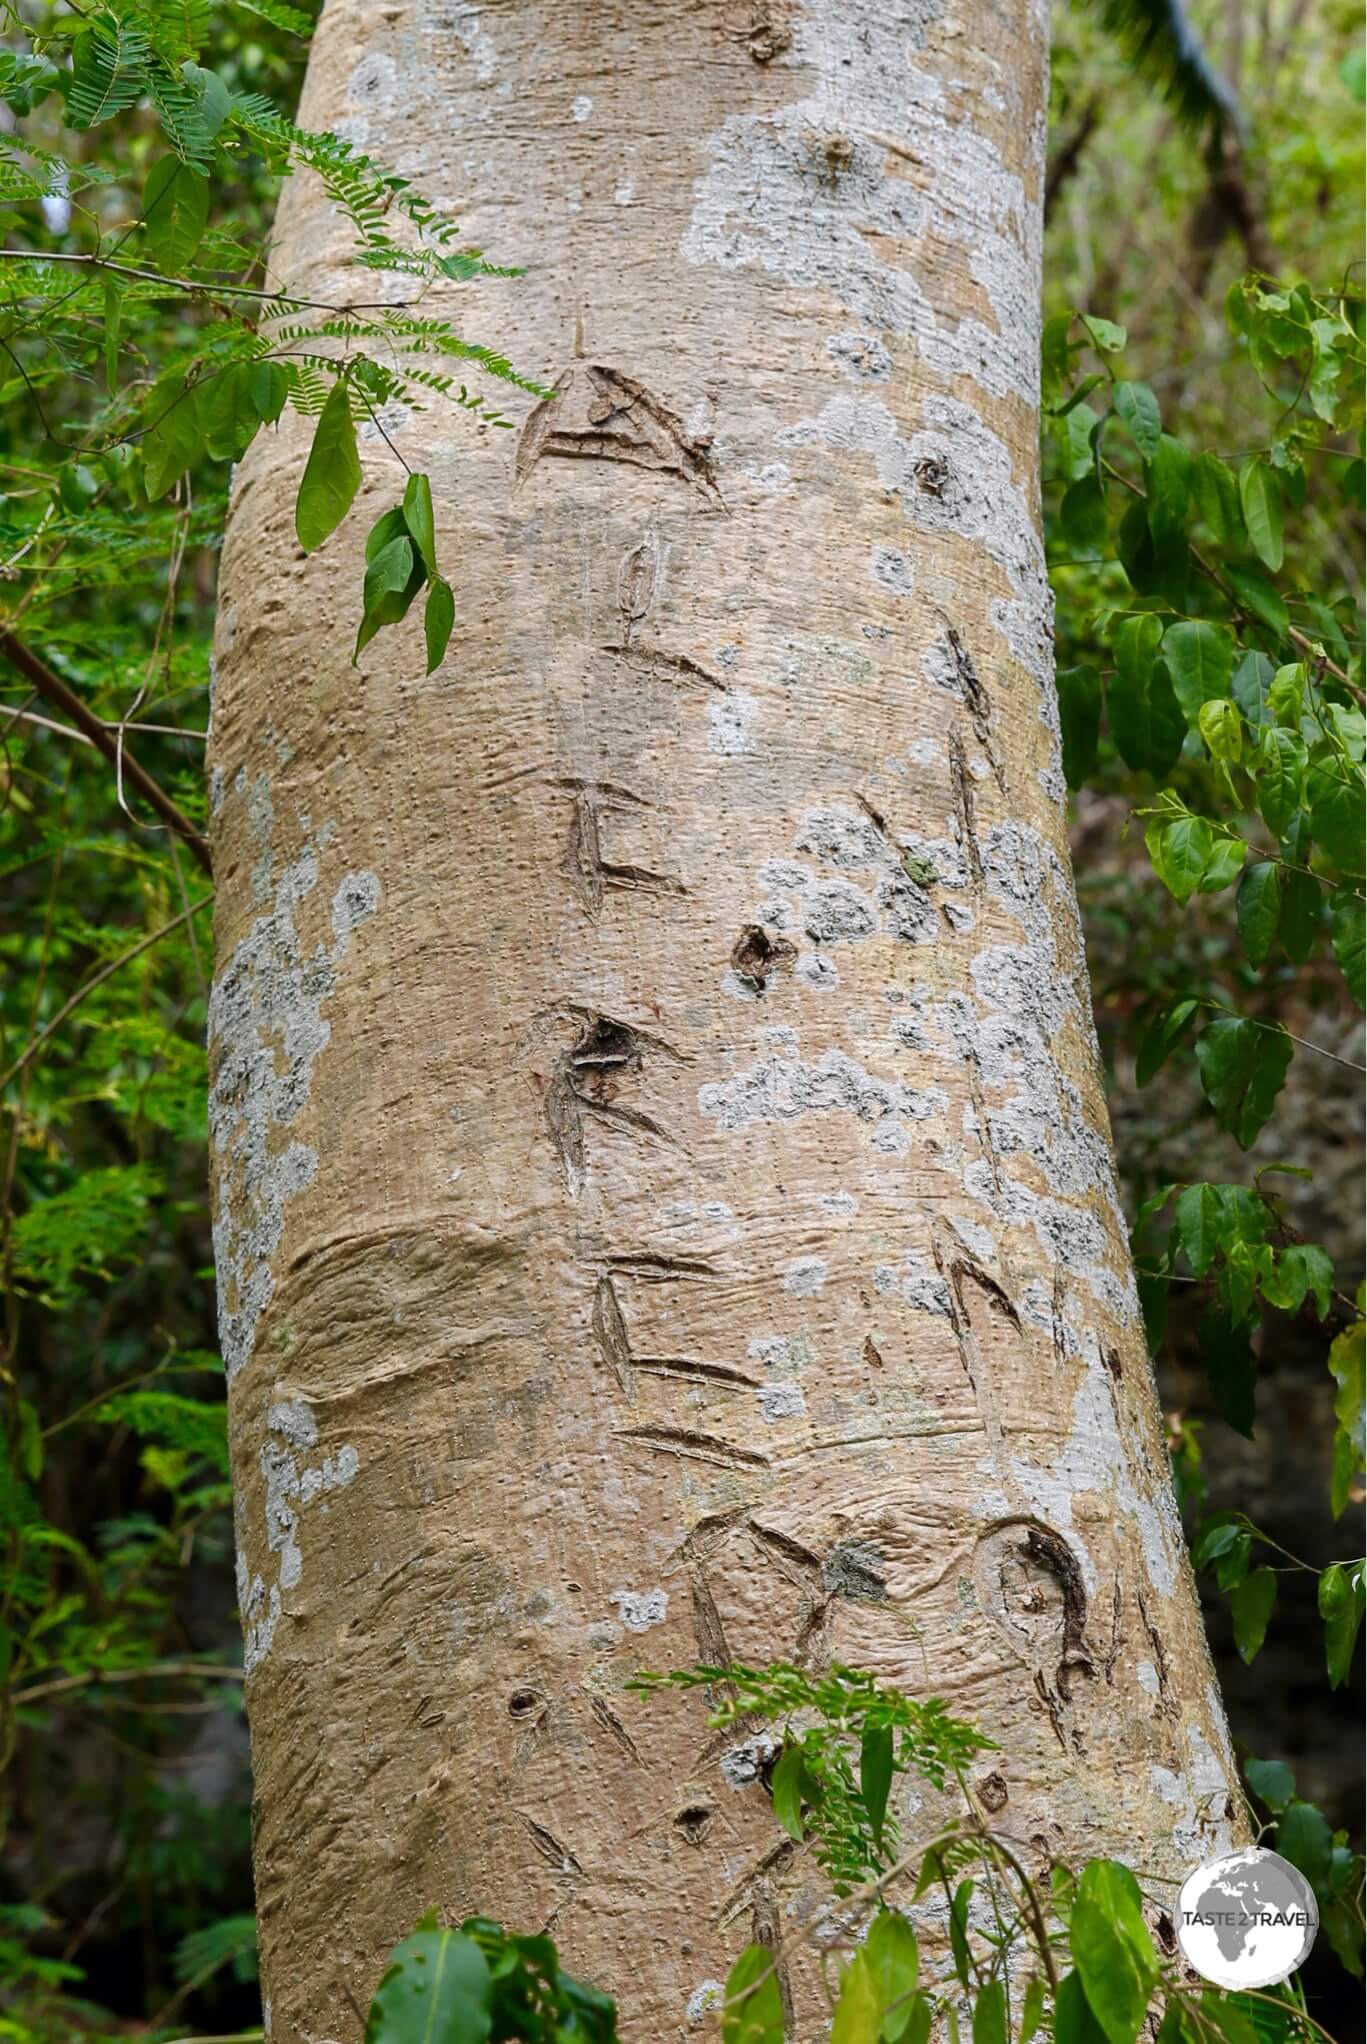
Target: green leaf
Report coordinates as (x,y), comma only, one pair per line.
(332,474)
(1304,1837)
(1336,812)
(1227,1355)
(1168,478)
(1271,1781)
(1300,1269)
(1032,2009)
(752,2009)
(1079,704)
(1222,731)
(1251,1607)
(891,1956)
(1258,598)
(786,1785)
(389,526)
(1137,408)
(173,439)
(1252,686)
(1181,853)
(1112,1949)
(228,413)
(1225,864)
(113,309)
(392,580)
(436,1987)
(1148,725)
(438,619)
(1258,907)
(1200,661)
(1243,1065)
(1199,1218)
(1105,334)
(175,212)
(859,2011)
(269,384)
(989,2014)
(1341,1605)
(1260,498)
(1216,490)
(958,1932)
(1302,910)
(875,1775)
(1348,1368)
(1281,772)
(417,511)
(1074,2022)
(1159,1037)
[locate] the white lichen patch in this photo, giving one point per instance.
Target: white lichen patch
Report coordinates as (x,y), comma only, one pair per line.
(706,1998)
(775,197)
(266,1030)
(785,1088)
(290,1425)
(731,717)
(781,1401)
(805,1276)
(640,1609)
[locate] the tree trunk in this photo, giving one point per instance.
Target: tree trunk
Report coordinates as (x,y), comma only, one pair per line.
(665,1204)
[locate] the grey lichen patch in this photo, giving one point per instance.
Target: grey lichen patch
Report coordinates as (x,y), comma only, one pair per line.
(855,1568)
(776,196)
(290,1425)
(863,357)
(743,1765)
(266,1031)
(805,1276)
(892,571)
(639,1610)
(781,1401)
(783,1088)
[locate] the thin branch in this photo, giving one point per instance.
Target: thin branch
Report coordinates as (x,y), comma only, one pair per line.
(65,730)
(282,300)
(152,1670)
(49,1029)
(50,684)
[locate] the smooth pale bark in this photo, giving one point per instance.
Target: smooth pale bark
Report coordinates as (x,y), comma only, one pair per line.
(665,1203)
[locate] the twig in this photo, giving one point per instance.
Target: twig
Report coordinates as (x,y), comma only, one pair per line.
(50,684)
(153,1670)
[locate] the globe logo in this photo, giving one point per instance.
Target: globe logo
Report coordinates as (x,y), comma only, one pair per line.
(1248,1920)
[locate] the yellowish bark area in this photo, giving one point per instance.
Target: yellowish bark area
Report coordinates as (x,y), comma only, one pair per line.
(665,1202)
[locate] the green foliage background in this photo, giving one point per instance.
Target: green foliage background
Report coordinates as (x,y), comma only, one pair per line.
(124,1876)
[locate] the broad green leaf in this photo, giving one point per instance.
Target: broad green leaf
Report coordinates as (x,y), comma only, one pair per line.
(1032,2009)
(1258,907)
(875,1775)
(1225,864)
(1286,694)
(438,619)
(1336,813)
(1227,1355)
(228,413)
(1222,731)
(1251,1607)
(1301,1268)
(1137,408)
(1258,598)
(958,1932)
(1348,1368)
(1159,1037)
(1079,705)
(1105,334)
(859,2011)
(1304,1837)
(1243,1065)
(175,212)
(417,511)
(1199,1218)
(752,2008)
(1147,723)
(891,1956)
(918,2025)
(1181,853)
(989,2014)
(1112,1949)
(389,526)
(785,1786)
(1271,1781)
(1302,914)
(1216,1539)
(1261,500)
(1341,1604)
(1082,514)
(269,384)
(1074,2022)
(1167,475)
(1200,661)
(173,439)
(1153,570)
(332,474)
(392,580)
(1216,490)
(1251,686)
(1280,775)
(436,1987)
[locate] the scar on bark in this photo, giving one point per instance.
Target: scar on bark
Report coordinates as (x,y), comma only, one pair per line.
(601,414)
(957,1269)
(767,34)
(613,1726)
(610,1334)
(964,806)
(1160,1658)
(1030,1584)
(978,701)
(756,956)
(591,875)
(548,1845)
(694,1446)
(767,1930)
(660,665)
(585,1085)
(774,1863)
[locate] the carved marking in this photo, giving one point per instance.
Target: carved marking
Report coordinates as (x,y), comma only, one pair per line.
(694,1446)
(602,414)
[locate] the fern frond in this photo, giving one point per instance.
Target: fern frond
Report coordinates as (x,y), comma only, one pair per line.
(290,19)
(1165,48)
(109,70)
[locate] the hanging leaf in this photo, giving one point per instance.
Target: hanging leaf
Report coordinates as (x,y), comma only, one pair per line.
(1137,408)
(437,1985)
(1281,772)
(175,212)
(438,619)
(1348,1368)
(392,580)
(332,474)
(858,2012)
(752,2007)
(1148,725)
(1227,1355)
(875,1775)
(1260,498)
(417,511)
(1168,478)
(1341,1604)
(1251,1608)
(1112,1949)
(1243,1065)
(173,439)
(1079,703)
(1200,661)
(1258,908)
(892,1958)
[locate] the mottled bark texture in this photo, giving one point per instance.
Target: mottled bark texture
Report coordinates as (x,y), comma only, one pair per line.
(664,1200)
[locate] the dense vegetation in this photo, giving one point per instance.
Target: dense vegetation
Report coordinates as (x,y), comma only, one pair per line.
(1203,461)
